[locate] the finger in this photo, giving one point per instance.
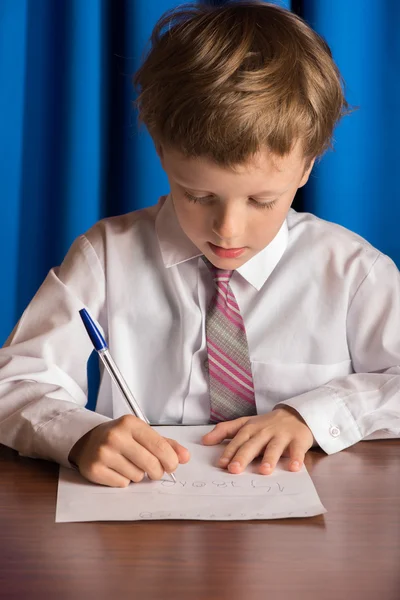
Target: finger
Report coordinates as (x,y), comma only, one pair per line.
(140,457)
(224,430)
(155,444)
(246,453)
(231,450)
(132,471)
(274,450)
(182,453)
(297,452)
(102,475)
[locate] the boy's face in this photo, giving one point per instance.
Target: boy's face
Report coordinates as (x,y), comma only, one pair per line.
(232,215)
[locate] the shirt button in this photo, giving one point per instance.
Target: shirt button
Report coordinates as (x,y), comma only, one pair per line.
(334,431)
(205,363)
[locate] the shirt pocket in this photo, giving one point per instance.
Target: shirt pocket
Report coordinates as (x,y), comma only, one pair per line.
(275,382)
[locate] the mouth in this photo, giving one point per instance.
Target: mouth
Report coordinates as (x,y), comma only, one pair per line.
(226,252)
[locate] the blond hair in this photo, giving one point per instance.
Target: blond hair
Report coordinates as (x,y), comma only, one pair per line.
(224,82)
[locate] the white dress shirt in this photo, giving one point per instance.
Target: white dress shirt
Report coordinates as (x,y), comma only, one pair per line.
(321,308)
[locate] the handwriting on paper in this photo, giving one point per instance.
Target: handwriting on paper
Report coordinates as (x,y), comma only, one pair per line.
(261,486)
(218,486)
(218,516)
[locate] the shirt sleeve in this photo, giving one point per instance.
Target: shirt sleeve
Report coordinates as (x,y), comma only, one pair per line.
(43,380)
(365,404)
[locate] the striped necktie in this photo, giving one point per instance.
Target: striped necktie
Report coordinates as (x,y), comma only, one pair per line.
(229,368)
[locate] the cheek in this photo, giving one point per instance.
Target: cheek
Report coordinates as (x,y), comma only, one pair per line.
(182,209)
(266,226)
(190,213)
(191,217)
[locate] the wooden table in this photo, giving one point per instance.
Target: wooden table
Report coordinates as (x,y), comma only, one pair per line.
(350,553)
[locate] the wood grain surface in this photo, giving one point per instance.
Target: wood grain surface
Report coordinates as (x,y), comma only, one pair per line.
(350,553)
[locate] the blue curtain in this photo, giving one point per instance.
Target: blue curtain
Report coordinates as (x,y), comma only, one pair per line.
(70,152)
(356,185)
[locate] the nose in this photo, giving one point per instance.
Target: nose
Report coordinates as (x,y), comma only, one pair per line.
(228,223)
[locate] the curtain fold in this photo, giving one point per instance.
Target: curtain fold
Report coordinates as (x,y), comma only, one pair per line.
(71,152)
(356,184)
(70,149)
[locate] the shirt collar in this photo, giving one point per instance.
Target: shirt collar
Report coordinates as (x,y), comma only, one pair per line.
(176,247)
(174,244)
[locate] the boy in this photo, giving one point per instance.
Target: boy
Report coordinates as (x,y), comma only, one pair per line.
(220,303)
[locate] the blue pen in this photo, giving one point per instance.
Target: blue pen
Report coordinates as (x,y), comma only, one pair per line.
(100,345)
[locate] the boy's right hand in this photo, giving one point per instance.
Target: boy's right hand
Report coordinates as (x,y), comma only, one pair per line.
(123,450)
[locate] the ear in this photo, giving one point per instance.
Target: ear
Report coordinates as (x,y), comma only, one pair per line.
(306,174)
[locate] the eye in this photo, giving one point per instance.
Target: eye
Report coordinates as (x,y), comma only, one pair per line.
(194,199)
(267,205)
(253,202)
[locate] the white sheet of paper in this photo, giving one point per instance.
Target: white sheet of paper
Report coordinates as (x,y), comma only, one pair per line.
(203,491)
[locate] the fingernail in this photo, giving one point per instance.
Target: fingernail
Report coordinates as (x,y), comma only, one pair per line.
(295,463)
(266,465)
(235,465)
(224,461)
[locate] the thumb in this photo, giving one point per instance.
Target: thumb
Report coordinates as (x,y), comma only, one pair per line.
(224,430)
(182,452)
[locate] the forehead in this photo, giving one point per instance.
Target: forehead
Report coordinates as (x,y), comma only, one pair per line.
(262,166)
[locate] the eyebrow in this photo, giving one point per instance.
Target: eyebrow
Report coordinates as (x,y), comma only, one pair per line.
(269,193)
(264,193)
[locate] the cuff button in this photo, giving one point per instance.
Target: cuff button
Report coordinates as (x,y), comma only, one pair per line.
(334,431)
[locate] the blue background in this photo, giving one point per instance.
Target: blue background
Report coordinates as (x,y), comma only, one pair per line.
(71,153)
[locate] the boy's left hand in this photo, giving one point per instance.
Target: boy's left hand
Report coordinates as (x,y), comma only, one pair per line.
(273,434)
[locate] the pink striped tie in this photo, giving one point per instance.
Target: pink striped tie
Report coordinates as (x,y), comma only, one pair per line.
(230,377)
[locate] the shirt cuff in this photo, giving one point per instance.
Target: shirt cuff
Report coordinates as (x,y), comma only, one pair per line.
(328,417)
(55,439)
